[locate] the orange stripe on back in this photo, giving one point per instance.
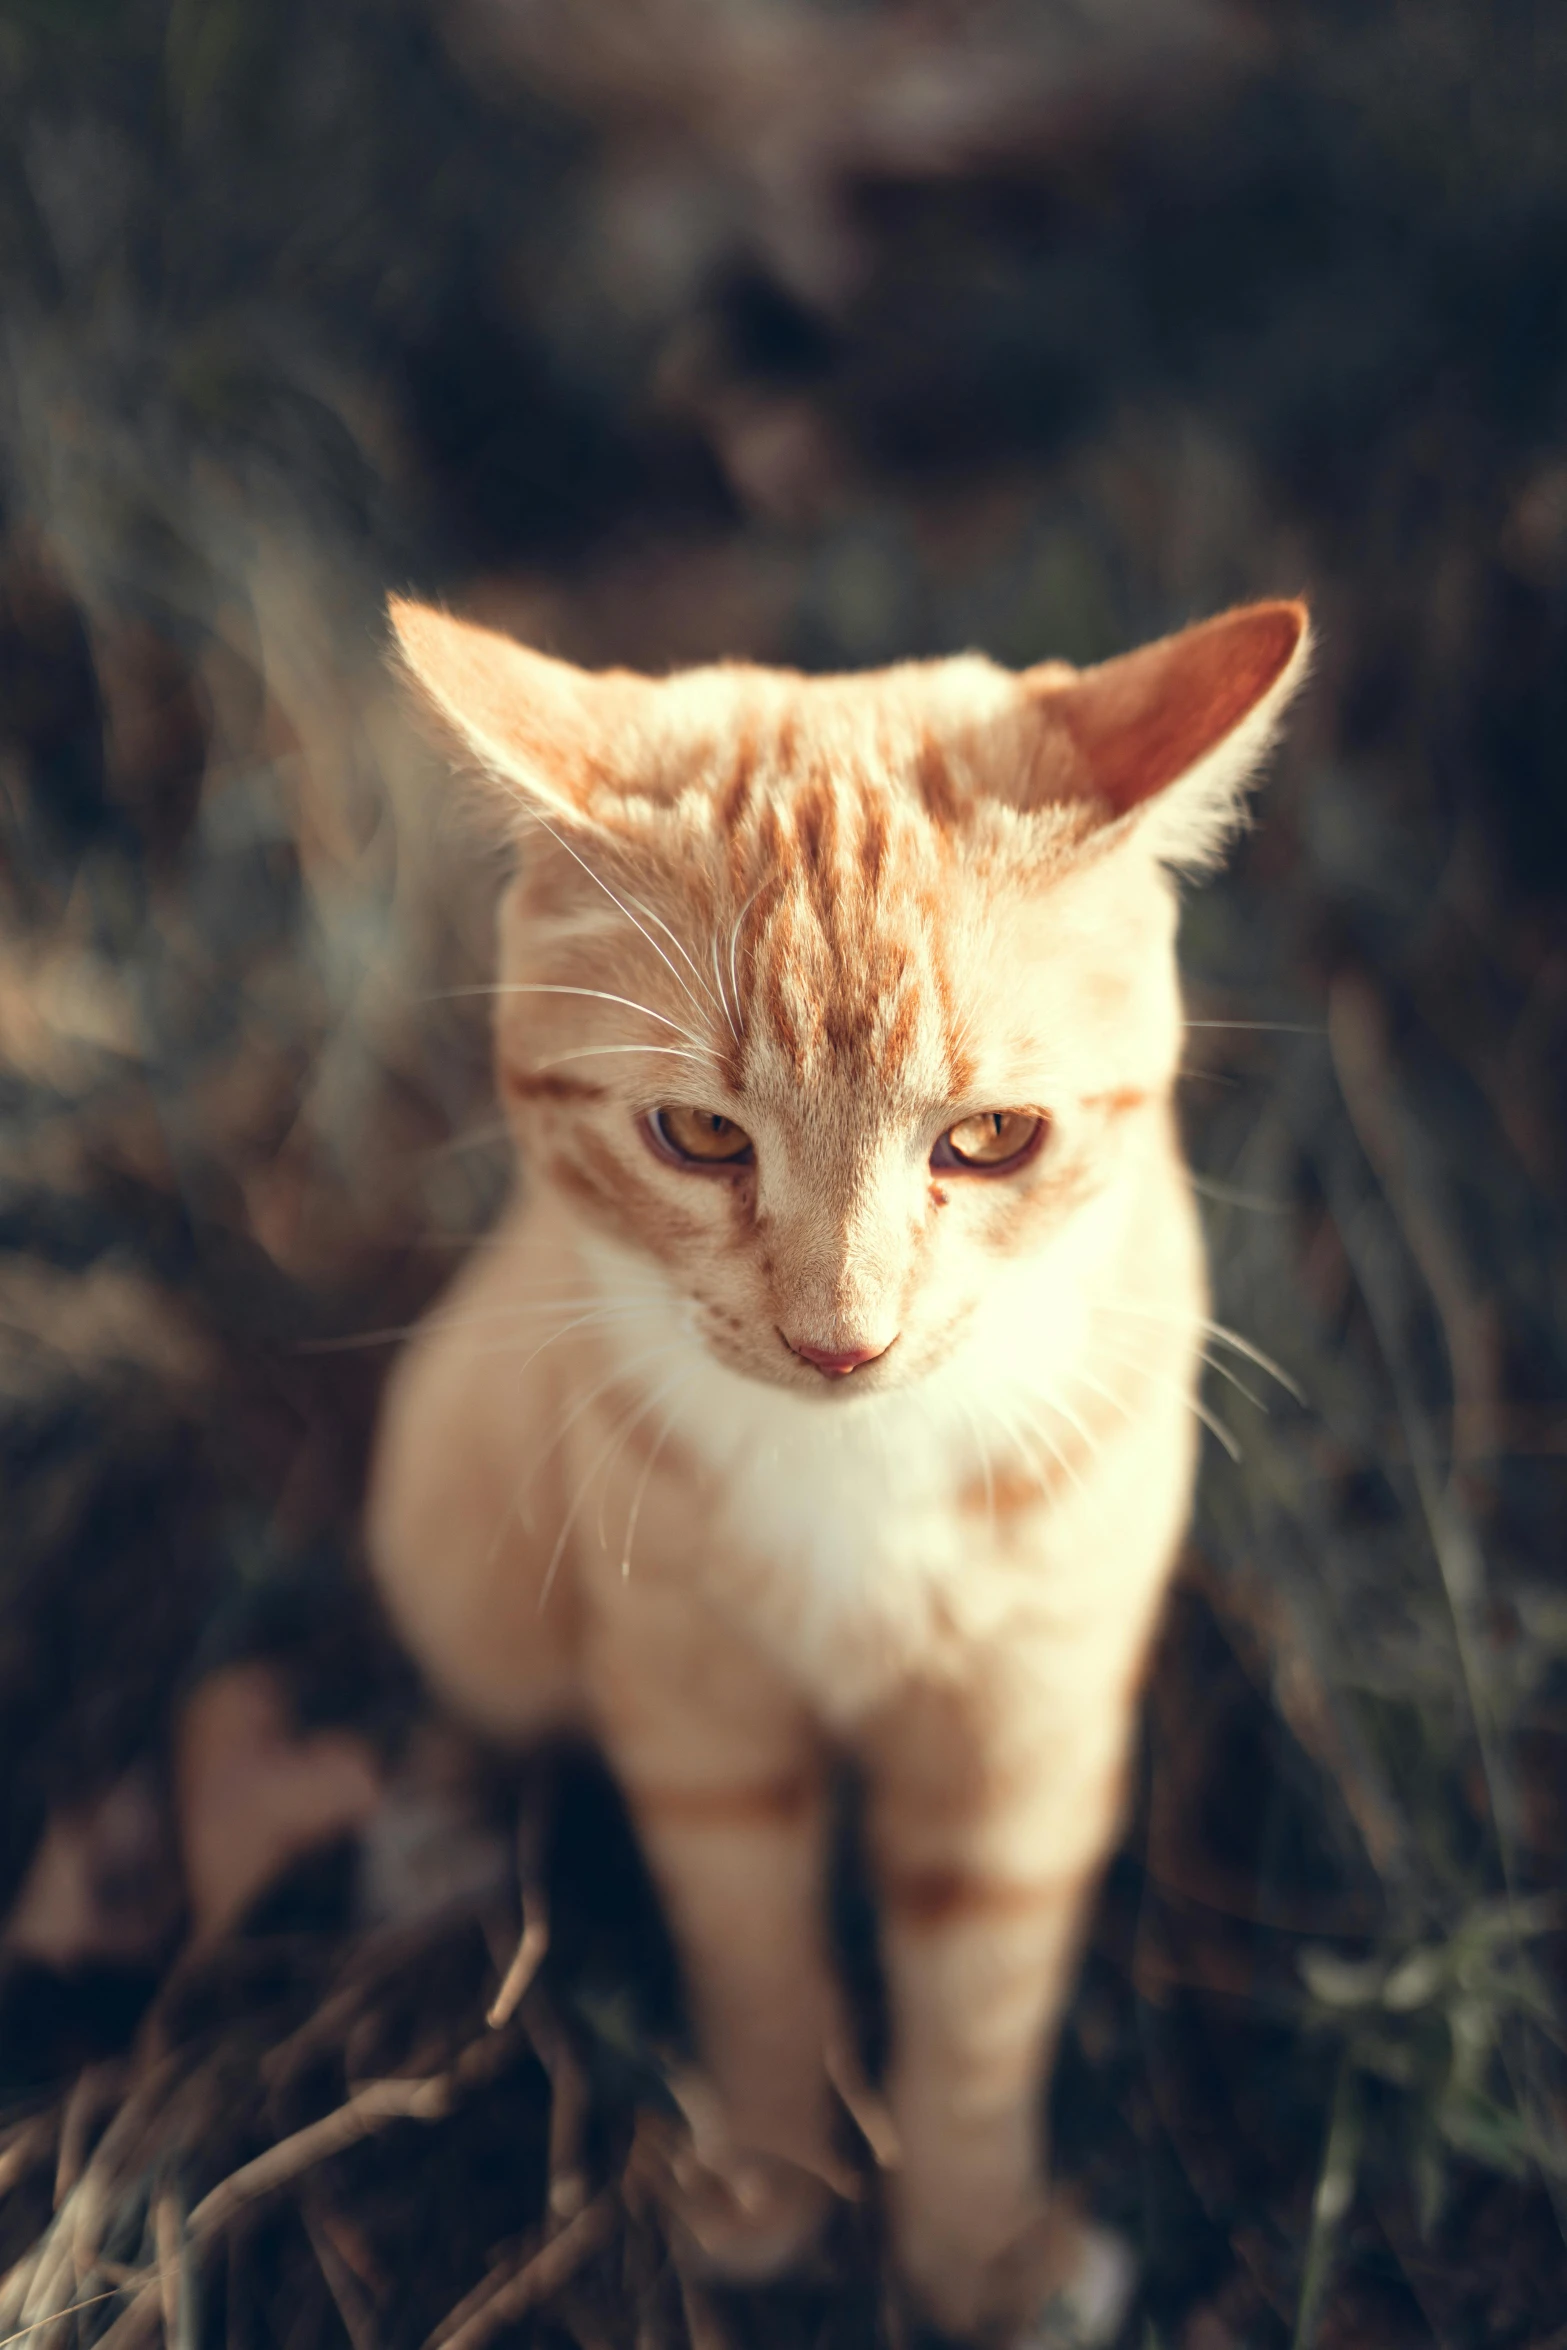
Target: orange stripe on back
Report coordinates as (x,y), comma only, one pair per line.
(735,798)
(942,799)
(873,845)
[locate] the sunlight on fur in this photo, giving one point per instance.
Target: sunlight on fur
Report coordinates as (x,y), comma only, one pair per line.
(832,1387)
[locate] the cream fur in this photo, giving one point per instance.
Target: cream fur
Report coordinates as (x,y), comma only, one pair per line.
(844,914)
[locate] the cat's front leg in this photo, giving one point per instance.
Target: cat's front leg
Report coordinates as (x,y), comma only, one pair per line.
(724,1779)
(992,1805)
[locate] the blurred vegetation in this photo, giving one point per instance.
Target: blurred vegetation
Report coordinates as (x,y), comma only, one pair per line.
(823,333)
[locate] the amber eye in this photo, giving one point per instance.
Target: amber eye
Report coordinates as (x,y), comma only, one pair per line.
(700,1138)
(993,1142)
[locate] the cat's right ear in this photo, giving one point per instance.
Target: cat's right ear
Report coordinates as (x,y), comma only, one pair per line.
(550,739)
(1166,740)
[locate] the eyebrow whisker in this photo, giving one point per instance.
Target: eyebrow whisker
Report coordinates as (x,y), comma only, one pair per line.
(734,940)
(675,941)
(723,997)
(593,1052)
(597,995)
(598,880)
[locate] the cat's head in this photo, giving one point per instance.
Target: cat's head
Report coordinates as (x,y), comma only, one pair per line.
(839,1002)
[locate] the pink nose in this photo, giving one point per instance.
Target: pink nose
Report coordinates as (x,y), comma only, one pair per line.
(839,1365)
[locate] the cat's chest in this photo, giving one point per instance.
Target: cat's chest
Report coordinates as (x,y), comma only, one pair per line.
(851,1551)
(847,1513)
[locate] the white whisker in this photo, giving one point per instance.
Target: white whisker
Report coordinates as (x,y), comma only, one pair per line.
(1060,1459)
(634,1514)
(1193,1403)
(1229,1195)
(593,1052)
(612,1443)
(1215,1363)
(598,1319)
(1025,1435)
(1106,1394)
(1089,1441)
(597,995)
(1252,1354)
(1216,1427)
(722,997)
(484,1317)
(1266,1027)
(1217,1331)
(609,1324)
(531,1467)
(598,880)
(676,942)
(734,940)
(624,1427)
(471,1138)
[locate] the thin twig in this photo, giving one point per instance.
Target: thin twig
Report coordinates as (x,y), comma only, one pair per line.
(169,2241)
(86,2202)
(500,2273)
(17,2282)
(703,2330)
(369,2109)
(21,2145)
(39,2323)
(543,2276)
(56,2263)
(585,2326)
(135,2324)
(532,1944)
(91,2086)
(384,1955)
(347,2293)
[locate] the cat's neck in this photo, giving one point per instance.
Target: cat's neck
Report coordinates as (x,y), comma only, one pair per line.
(1016,1366)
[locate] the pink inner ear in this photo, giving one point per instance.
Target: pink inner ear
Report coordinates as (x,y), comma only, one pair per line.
(1139,722)
(545,723)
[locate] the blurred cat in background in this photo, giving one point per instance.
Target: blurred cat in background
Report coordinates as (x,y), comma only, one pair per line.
(829,1390)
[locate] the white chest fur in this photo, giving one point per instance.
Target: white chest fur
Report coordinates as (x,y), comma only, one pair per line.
(844,1537)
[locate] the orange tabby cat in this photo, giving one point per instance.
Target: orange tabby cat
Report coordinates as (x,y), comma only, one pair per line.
(828,1390)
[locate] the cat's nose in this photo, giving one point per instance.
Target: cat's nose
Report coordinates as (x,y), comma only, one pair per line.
(836,1363)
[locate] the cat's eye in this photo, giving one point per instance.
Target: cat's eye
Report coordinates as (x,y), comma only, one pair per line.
(700,1138)
(993,1142)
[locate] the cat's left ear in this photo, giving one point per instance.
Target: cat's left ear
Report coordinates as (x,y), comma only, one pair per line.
(1167,738)
(550,739)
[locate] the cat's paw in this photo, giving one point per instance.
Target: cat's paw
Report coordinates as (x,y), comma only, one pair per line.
(737,2215)
(1088,2309)
(1058,2282)
(755,2219)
